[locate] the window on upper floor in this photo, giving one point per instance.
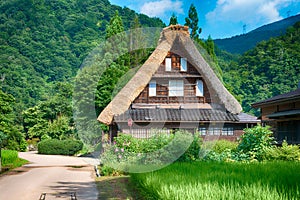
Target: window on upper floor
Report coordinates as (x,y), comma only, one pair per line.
(152,88)
(199,88)
(168,63)
(183,64)
(176,88)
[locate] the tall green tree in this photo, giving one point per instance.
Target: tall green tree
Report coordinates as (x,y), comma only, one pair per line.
(43,118)
(210,47)
(192,22)
(137,44)
(116,61)
(115,26)
(173,20)
(14,139)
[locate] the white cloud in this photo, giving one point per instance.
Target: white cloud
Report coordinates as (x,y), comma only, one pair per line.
(161,7)
(250,12)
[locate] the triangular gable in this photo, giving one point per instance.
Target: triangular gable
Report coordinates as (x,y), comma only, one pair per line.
(168,39)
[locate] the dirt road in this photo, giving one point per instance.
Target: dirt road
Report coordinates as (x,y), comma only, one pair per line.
(58,176)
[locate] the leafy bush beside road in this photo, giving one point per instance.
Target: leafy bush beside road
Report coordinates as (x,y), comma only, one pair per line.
(160,149)
(59,147)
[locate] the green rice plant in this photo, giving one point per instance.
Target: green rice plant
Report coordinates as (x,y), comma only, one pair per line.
(210,180)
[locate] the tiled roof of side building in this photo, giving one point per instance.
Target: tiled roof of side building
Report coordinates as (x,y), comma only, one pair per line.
(278,98)
(246,118)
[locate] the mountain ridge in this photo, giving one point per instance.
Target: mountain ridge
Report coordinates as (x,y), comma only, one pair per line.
(241,43)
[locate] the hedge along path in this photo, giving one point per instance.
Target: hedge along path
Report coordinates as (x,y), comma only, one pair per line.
(59,147)
(56,175)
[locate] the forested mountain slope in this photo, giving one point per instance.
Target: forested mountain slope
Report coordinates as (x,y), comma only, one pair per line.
(44,41)
(241,43)
(269,69)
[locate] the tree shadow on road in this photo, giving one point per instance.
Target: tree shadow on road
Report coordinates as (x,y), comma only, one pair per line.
(64,189)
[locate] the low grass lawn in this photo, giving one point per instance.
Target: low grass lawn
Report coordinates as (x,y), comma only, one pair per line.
(11,160)
(210,180)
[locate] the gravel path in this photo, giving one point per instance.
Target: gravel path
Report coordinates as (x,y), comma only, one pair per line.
(58,176)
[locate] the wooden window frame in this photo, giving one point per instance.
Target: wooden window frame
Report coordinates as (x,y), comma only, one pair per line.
(152,88)
(199,91)
(174,89)
(183,63)
(168,64)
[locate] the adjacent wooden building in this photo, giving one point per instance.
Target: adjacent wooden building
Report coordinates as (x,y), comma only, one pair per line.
(176,89)
(282,113)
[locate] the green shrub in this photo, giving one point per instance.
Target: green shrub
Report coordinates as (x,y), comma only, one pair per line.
(219,146)
(45,137)
(192,153)
(255,140)
(109,171)
(59,147)
(160,149)
(286,152)
(218,150)
(129,149)
(224,145)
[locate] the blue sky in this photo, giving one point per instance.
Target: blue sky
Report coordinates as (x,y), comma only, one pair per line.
(218,18)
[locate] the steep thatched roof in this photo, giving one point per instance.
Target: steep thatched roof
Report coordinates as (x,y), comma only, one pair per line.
(175,39)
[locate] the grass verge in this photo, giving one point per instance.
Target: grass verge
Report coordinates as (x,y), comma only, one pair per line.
(116,188)
(205,180)
(11,160)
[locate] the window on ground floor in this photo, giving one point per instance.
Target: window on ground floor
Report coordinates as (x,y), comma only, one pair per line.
(216,131)
(202,131)
(227,131)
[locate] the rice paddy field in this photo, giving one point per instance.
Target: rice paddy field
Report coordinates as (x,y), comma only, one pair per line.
(210,180)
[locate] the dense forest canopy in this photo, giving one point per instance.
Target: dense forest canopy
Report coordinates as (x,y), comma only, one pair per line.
(44,41)
(269,69)
(42,46)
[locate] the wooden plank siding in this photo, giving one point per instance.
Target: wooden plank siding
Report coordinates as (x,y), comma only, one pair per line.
(269,109)
(285,127)
(162,78)
(142,130)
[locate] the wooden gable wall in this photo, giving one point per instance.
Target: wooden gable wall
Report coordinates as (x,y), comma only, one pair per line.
(162,78)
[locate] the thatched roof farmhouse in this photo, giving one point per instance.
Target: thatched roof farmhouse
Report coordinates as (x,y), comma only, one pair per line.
(175,88)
